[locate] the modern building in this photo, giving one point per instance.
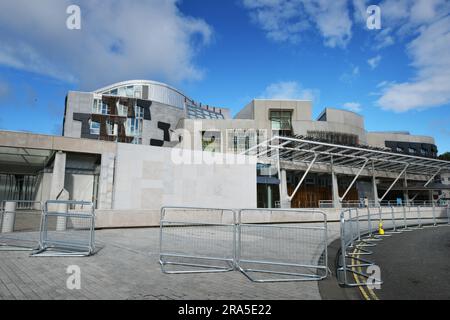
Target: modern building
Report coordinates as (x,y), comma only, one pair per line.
(135,146)
(138,112)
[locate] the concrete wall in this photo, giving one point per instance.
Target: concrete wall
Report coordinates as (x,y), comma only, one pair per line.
(43,188)
(77,102)
(80,186)
(248,112)
(379,138)
(147,178)
(151,218)
(160,113)
(302,128)
(301,110)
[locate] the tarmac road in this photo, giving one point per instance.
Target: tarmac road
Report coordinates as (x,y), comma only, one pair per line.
(414,265)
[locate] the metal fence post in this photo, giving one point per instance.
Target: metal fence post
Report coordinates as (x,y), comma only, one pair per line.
(419,217)
(434,215)
(393,219)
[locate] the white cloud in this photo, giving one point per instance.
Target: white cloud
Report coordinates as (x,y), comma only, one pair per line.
(403,18)
(286,20)
(430,53)
(374,62)
(353,106)
(119,39)
(289,90)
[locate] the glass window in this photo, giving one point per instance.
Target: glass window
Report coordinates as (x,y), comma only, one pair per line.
(122,110)
(134,127)
(240,140)
(411,150)
(122,92)
(100,107)
(281,120)
(114,92)
(139,112)
(111,128)
(130,91)
(96,108)
(399,149)
(95,127)
(211,141)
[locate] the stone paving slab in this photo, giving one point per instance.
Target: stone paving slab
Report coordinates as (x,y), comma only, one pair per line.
(127,267)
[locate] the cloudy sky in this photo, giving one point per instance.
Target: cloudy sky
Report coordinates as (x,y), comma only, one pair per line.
(226,53)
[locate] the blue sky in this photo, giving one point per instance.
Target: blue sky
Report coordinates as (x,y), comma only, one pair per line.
(226,53)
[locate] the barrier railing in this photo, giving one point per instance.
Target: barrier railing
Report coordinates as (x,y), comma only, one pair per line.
(267,245)
(19,225)
(196,240)
(350,204)
(291,247)
(361,229)
(67,233)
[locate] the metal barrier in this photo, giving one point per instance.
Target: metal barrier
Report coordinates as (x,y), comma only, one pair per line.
(291,247)
(194,240)
(19,225)
(288,245)
(67,232)
(360,230)
(352,204)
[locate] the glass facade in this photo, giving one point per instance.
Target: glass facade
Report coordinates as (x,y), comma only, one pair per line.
(240,140)
(126,91)
(211,141)
(194,112)
(122,110)
(134,127)
(99,107)
(94,127)
(281,120)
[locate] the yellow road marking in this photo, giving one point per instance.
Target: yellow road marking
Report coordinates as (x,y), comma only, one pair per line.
(357,279)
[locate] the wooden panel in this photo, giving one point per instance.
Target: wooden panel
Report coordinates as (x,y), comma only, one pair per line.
(309,196)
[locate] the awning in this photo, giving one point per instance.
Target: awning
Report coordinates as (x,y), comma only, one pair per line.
(303,151)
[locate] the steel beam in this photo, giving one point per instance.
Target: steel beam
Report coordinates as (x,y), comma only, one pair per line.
(303,178)
(354,180)
(395,181)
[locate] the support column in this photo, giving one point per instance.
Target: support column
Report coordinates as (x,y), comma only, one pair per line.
(106,181)
(57,191)
(285,203)
(376,200)
(58,175)
(269,196)
(9,217)
(335,186)
(405,193)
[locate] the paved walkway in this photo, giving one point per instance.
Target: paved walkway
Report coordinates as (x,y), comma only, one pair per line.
(127,268)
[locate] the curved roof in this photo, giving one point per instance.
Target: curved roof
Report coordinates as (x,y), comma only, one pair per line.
(138,82)
(158,91)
